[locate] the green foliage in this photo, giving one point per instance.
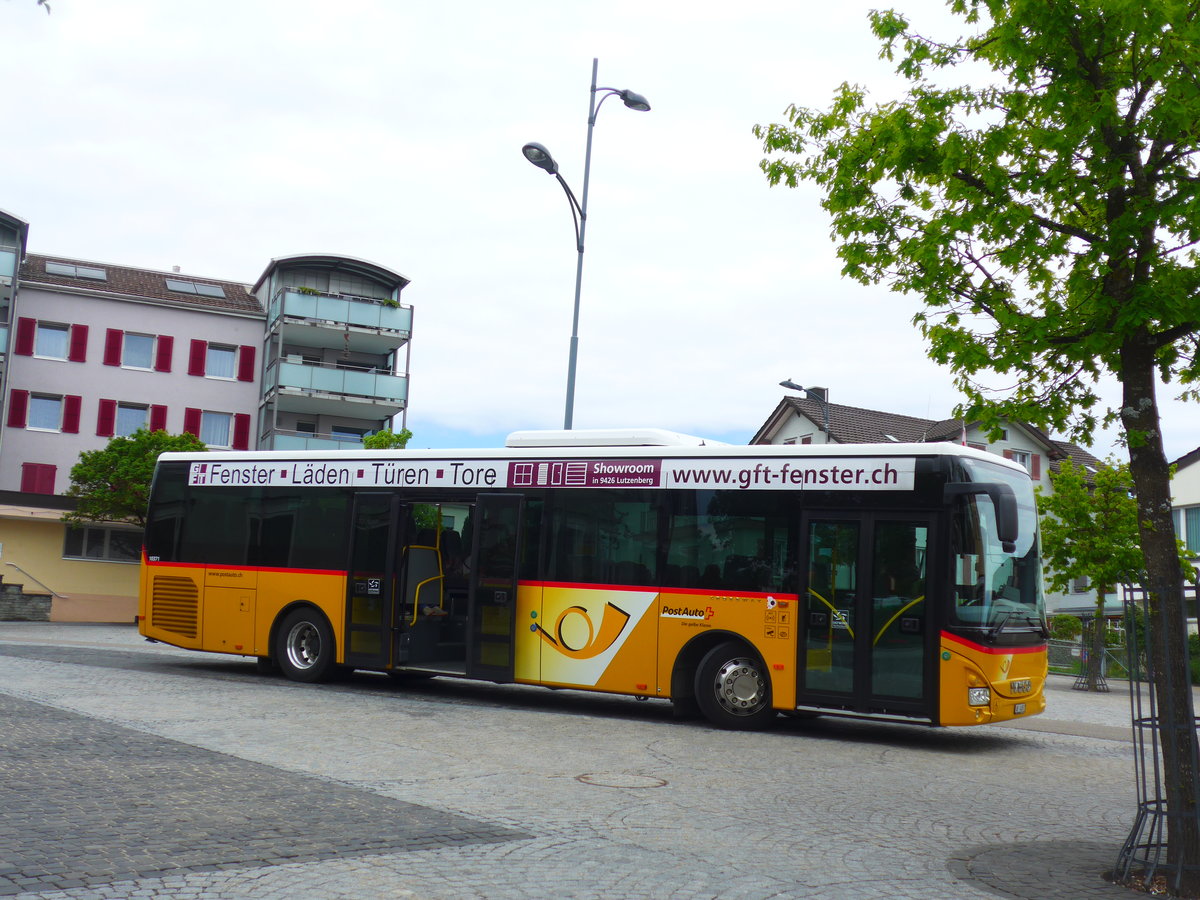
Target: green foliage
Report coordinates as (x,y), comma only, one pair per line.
(1194,656)
(1064,627)
(1091,529)
(386,439)
(113,484)
(1047,217)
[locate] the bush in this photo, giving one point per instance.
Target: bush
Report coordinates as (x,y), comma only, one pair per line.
(1065,628)
(1194,656)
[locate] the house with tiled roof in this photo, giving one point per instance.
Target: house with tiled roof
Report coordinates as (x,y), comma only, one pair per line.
(312,354)
(812,419)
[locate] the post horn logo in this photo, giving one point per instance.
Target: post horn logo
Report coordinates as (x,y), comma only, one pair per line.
(567,633)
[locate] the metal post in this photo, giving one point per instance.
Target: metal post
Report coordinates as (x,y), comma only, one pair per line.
(569,414)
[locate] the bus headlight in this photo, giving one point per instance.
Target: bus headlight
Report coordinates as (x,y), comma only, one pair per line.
(979,696)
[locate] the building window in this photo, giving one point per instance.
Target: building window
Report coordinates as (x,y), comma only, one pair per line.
(130,417)
(45,412)
(218,429)
(73,271)
(1191,528)
(52,341)
(1020,457)
(221,361)
(214,428)
(138,351)
(37,478)
(195,287)
(347,433)
(1081,585)
(96,542)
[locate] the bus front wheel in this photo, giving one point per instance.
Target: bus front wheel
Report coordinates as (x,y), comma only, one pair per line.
(732,688)
(304,646)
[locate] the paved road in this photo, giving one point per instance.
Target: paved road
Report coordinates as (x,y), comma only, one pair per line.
(130,769)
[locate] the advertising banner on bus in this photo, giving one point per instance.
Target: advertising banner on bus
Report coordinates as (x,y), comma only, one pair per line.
(827,474)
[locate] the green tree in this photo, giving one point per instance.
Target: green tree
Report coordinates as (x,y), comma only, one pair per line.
(386,439)
(1064,627)
(113,484)
(1048,220)
(1090,530)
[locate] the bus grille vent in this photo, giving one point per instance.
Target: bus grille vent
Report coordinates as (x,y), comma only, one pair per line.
(175,605)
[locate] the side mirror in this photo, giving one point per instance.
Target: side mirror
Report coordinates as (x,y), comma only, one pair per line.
(1004,501)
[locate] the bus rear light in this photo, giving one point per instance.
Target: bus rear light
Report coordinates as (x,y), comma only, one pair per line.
(979,696)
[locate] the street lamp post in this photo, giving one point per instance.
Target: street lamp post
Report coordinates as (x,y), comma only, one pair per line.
(540,157)
(820,394)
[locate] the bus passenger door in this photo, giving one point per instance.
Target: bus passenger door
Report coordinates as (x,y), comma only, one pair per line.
(867,635)
(492,586)
(371,585)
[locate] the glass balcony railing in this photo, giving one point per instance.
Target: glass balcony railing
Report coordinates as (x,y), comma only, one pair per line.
(340,310)
(347,382)
(311,442)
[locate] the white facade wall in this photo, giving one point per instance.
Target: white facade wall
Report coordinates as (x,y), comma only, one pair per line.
(1185,502)
(92,380)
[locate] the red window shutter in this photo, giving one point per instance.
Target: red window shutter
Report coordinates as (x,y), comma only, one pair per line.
(1008,454)
(114,342)
(26,336)
(191,420)
(72,406)
(1035,464)
(196,358)
(245,364)
(79,339)
(37,478)
(158,418)
(106,418)
(241,431)
(18,408)
(163,350)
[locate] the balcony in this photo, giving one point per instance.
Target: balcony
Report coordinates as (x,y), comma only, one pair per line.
(370,326)
(294,440)
(306,388)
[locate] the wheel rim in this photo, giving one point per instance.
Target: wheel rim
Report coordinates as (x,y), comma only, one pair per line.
(303,645)
(740,687)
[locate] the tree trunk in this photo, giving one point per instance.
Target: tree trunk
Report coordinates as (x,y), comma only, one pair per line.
(1166,630)
(1095,663)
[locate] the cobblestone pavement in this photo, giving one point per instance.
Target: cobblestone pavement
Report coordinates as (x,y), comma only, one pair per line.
(130,769)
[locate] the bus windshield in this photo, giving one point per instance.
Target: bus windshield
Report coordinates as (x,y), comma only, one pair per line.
(996,591)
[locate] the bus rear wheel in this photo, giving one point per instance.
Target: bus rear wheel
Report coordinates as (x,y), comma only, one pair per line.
(732,688)
(304,646)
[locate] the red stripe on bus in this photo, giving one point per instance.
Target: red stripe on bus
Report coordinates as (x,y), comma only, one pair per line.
(996,651)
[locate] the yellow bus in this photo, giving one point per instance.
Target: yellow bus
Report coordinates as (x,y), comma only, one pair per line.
(896,581)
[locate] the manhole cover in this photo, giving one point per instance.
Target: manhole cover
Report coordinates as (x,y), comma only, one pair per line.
(620,780)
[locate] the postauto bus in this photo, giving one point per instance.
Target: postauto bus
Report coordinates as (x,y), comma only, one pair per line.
(896,581)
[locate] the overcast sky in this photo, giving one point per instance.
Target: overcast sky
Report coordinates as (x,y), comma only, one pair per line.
(215,135)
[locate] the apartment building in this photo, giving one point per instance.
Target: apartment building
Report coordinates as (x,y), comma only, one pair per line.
(313,354)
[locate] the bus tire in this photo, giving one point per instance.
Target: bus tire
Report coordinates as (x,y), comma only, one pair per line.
(305,647)
(732,688)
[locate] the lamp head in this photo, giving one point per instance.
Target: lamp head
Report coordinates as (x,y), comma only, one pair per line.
(634,100)
(791,385)
(540,157)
